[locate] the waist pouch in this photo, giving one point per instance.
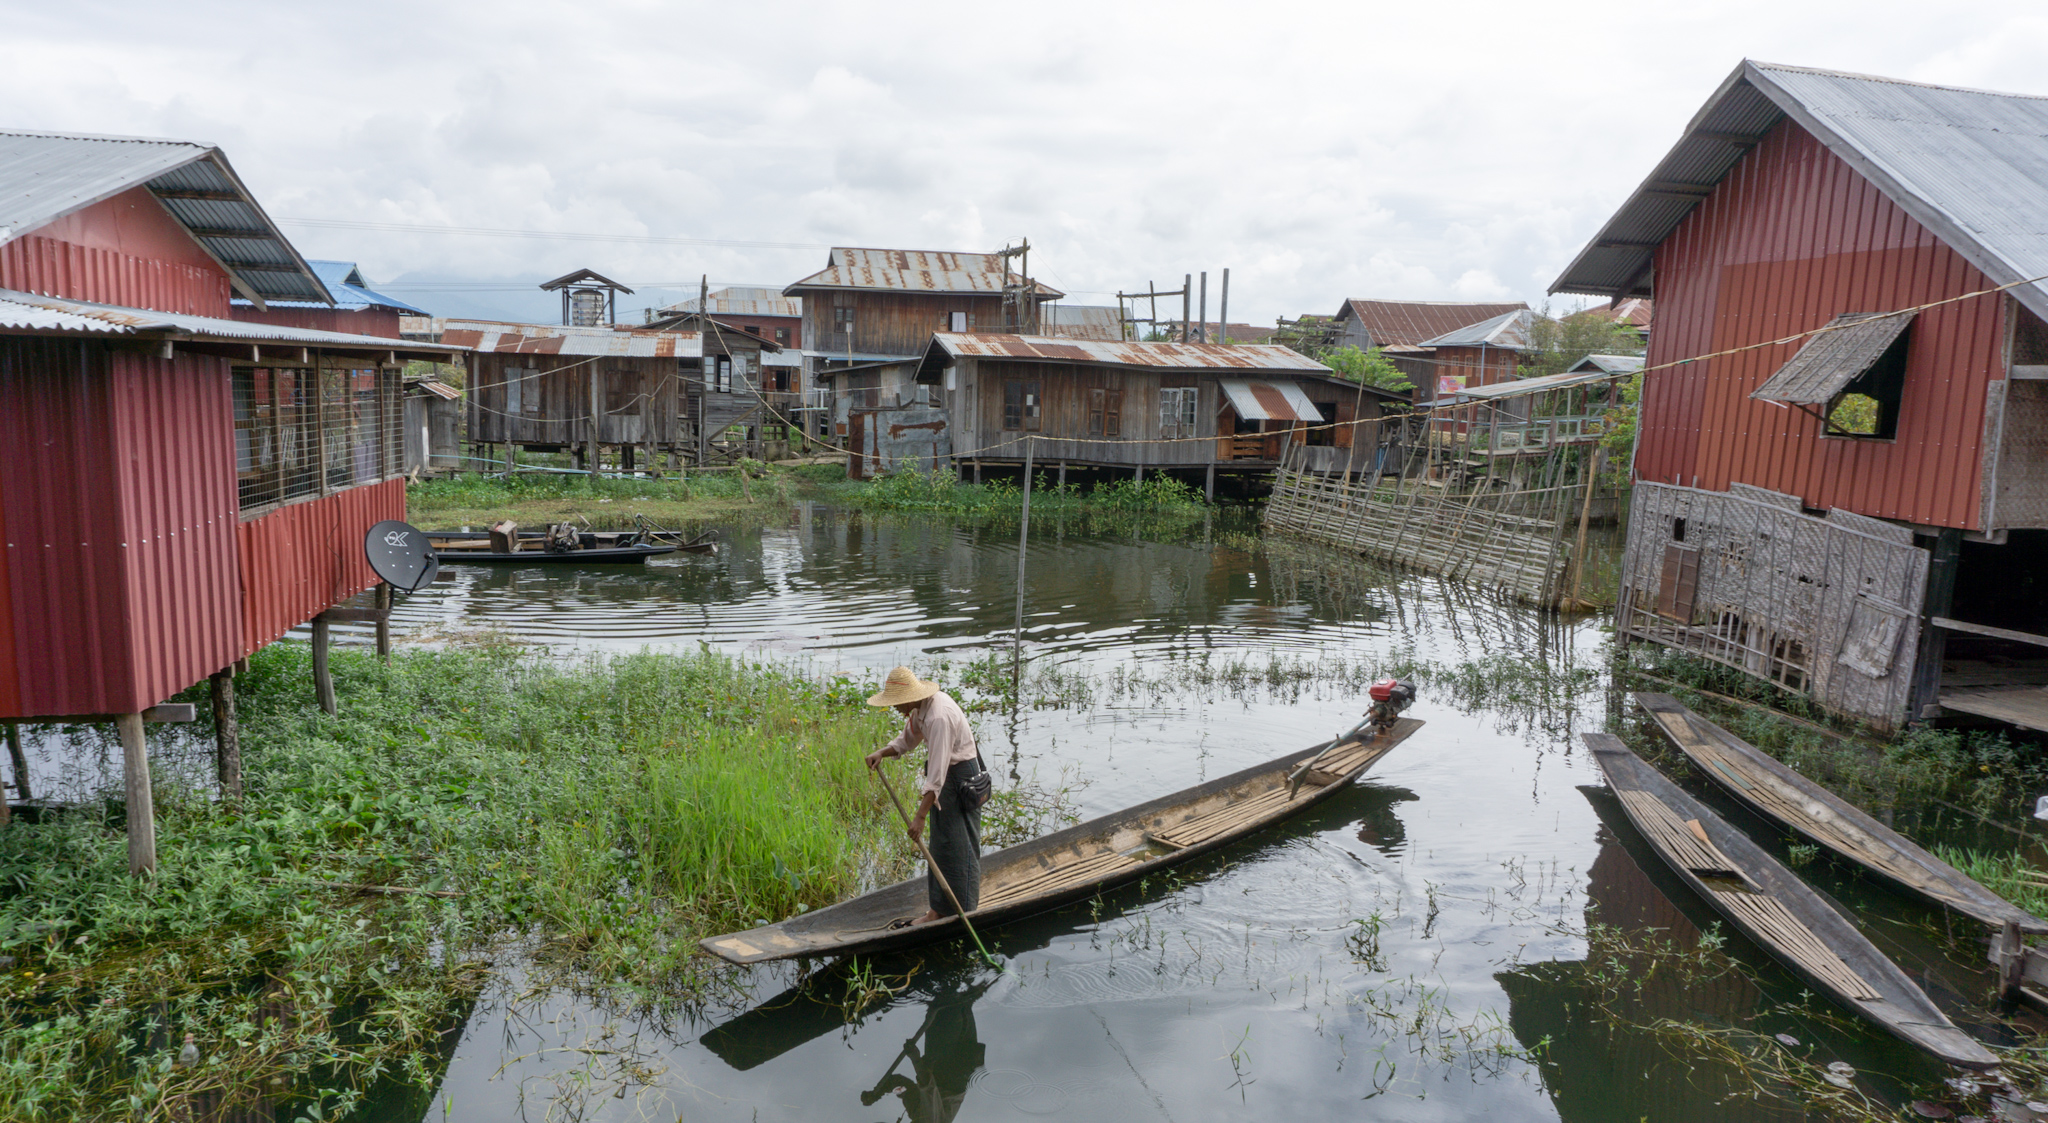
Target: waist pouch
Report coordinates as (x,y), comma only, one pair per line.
(975,790)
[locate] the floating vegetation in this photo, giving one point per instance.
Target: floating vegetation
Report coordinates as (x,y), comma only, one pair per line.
(2010,874)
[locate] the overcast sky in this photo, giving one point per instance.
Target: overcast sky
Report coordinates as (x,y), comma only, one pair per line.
(1420,150)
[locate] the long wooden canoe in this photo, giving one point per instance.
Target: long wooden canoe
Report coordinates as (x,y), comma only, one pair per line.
(1075,863)
(1762,899)
(1785,797)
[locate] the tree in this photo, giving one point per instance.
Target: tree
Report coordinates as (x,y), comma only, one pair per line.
(1370,367)
(1555,345)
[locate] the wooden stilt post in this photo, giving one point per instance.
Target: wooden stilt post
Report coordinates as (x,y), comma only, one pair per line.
(384,621)
(1209,483)
(511,459)
(323,682)
(1023,548)
(596,419)
(18,760)
(1138,473)
(227,736)
(977,471)
(141,807)
(1063,473)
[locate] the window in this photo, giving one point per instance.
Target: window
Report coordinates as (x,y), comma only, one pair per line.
(1869,405)
(301,431)
(842,319)
(958,320)
(782,335)
(1021,405)
(754,329)
(1319,432)
(514,385)
(1177,411)
(1105,413)
(530,398)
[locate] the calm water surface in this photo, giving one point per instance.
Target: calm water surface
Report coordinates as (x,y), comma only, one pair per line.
(1395,954)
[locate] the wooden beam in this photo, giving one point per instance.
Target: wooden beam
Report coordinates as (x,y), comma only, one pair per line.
(1947,624)
(227,736)
(323,681)
(18,760)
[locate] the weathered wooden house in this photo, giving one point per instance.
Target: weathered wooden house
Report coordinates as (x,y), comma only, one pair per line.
(693,396)
(1476,355)
(757,311)
(1188,408)
(1842,469)
(181,487)
(871,306)
(433,427)
(1401,330)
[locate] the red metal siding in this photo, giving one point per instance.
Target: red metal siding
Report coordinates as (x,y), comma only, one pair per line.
(380,322)
(126,250)
(119,517)
(1789,239)
(299,560)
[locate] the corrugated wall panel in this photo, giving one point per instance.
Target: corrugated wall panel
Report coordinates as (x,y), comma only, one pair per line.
(120,577)
(55,268)
(174,441)
(301,559)
(1790,238)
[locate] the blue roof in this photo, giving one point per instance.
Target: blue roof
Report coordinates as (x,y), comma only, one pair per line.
(345,282)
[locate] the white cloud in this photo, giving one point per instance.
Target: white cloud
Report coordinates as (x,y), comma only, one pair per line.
(1459,150)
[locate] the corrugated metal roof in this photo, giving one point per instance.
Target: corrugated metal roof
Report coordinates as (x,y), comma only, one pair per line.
(1275,400)
(1523,387)
(851,267)
(558,339)
(1611,364)
(345,281)
(1508,331)
(1082,321)
(743,301)
(436,387)
(1186,356)
(1970,165)
(1831,360)
(45,176)
(1406,323)
(33,313)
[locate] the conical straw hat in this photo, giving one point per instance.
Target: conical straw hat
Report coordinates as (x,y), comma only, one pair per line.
(903,686)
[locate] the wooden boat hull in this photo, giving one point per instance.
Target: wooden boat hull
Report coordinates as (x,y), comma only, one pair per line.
(1075,863)
(1766,786)
(629,555)
(1762,899)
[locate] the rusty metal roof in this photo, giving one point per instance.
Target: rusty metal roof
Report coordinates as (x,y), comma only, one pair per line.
(436,387)
(1969,165)
(1406,323)
(558,339)
(851,267)
(1523,387)
(1508,331)
(1082,321)
(45,176)
(1182,356)
(1829,361)
(31,313)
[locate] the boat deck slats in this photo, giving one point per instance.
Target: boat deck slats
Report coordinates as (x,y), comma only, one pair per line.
(1767,917)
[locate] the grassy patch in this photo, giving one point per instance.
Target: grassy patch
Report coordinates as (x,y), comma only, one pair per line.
(609,503)
(2009,874)
(597,817)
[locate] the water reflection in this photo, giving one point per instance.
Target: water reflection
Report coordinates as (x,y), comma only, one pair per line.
(943,1055)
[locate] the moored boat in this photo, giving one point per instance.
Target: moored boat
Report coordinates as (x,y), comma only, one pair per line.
(1762,899)
(1774,791)
(1081,860)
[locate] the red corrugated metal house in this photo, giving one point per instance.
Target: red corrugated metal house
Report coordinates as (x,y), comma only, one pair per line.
(1799,200)
(180,487)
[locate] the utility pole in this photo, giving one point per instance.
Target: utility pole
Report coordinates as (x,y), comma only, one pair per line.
(1187,288)
(1223,311)
(1205,306)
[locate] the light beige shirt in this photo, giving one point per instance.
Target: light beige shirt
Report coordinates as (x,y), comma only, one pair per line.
(941,726)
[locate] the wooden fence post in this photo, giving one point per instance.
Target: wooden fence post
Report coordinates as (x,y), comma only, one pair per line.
(18,760)
(323,682)
(384,621)
(227,736)
(141,808)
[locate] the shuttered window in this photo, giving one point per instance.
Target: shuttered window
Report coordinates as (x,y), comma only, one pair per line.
(1105,413)
(1177,406)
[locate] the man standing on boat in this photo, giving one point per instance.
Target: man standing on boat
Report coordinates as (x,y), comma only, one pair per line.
(953,787)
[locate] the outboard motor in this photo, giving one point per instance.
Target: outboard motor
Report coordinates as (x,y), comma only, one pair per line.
(1390,696)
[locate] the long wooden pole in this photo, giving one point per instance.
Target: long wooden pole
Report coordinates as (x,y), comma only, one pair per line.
(141,806)
(1023,547)
(934,866)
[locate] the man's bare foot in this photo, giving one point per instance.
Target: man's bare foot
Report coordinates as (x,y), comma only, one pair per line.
(928,917)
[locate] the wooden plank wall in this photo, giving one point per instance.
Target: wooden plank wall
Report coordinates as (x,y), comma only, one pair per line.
(642,397)
(893,323)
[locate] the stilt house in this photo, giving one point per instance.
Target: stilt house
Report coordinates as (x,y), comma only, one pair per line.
(689,394)
(1842,469)
(181,487)
(1186,407)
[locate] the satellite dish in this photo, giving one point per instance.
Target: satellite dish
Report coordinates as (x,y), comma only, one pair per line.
(400,554)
